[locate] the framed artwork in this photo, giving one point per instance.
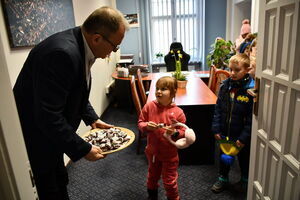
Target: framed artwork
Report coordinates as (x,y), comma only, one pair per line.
(28,22)
(132,19)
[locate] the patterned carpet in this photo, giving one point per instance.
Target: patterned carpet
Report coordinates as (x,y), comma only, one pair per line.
(122,175)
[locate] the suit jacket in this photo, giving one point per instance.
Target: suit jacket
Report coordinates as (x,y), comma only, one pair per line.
(52,97)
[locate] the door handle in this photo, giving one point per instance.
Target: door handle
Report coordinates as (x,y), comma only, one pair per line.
(256,99)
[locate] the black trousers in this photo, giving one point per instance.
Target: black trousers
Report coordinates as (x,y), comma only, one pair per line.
(243,157)
(52,185)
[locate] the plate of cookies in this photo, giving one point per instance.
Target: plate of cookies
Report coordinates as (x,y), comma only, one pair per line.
(110,140)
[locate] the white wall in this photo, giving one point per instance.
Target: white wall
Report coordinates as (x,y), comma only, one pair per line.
(254,15)
(14,165)
(237,11)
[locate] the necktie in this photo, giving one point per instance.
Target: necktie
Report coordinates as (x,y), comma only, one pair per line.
(90,63)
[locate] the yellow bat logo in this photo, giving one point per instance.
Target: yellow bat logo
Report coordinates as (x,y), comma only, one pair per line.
(242,98)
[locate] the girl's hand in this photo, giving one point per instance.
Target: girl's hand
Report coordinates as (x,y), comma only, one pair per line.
(151,126)
(218,136)
(166,135)
(169,130)
(239,144)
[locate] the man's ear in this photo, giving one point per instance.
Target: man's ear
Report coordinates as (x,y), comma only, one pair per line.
(96,38)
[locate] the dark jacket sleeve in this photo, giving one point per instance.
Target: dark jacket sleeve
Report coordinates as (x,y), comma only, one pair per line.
(245,136)
(217,118)
(89,115)
(54,82)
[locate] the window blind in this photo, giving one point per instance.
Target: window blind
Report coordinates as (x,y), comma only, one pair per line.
(177,21)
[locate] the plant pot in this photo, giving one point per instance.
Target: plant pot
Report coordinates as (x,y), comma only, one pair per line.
(181,84)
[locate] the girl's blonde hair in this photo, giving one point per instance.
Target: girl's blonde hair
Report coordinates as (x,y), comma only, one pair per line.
(241,59)
(168,82)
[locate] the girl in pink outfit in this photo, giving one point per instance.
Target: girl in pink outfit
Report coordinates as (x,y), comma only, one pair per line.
(156,119)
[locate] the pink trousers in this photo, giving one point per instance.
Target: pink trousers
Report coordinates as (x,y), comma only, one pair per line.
(168,171)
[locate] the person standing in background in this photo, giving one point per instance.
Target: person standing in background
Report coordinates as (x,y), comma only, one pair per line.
(52,92)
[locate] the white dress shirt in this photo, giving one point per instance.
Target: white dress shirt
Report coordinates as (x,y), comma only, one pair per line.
(89,60)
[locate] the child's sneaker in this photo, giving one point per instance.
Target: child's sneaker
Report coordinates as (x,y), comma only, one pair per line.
(220,185)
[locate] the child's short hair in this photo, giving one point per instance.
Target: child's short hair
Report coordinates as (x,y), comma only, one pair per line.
(241,59)
(168,82)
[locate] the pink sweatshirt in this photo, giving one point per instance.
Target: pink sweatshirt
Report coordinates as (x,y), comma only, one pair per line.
(157,144)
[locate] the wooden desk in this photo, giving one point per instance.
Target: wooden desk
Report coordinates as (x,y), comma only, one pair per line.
(195,93)
(197,102)
(149,77)
(122,86)
(154,76)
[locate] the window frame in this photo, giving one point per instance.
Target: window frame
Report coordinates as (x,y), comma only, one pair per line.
(197,36)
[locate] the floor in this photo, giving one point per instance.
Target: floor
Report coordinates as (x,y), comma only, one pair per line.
(122,175)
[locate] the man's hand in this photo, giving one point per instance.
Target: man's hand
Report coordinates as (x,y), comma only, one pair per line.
(101,124)
(218,136)
(94,154)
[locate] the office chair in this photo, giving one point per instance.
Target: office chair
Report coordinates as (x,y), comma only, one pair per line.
(135,96)
(219,76)
(211,80)
(138,107)
(141,87)
(170,60)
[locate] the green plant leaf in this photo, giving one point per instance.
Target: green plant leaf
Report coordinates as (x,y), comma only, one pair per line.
(220,53)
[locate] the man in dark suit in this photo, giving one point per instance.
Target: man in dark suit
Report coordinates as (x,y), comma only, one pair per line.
(52,93)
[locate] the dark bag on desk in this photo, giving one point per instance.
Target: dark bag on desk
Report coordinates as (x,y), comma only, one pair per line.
(133,69)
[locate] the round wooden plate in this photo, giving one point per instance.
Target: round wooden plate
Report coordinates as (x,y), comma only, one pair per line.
(123,146)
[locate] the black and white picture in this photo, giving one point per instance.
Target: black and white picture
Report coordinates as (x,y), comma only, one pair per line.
(29,22)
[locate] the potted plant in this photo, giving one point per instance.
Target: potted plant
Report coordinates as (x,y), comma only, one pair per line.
(159,56)
(220,54)
(178,75)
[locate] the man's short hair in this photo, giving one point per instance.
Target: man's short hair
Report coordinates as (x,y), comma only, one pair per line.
(241,59)
(105,20)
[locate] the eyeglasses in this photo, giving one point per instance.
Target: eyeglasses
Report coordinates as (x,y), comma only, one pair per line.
(116,47)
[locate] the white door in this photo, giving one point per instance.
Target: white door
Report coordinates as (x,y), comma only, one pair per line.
(275,148)
(15,171)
